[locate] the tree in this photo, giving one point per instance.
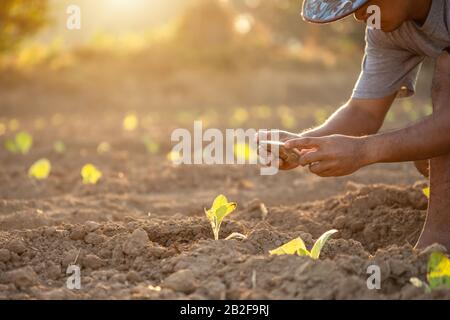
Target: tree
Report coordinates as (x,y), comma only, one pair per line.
(20,19)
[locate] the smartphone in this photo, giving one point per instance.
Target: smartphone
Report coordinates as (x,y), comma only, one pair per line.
(284,154)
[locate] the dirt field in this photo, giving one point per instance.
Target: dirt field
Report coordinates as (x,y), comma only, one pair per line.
(141,231)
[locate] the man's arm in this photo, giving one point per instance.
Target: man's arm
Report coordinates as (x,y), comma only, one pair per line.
(358,117)
(429,138)
(338,155)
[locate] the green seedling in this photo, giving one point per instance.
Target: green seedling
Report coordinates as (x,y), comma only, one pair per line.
(438,275)
(219,210)
(59,147)
(297,246)
(40,170)
(21,144)
(90,174)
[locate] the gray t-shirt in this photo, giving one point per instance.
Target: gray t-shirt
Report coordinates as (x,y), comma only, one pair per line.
(392,60)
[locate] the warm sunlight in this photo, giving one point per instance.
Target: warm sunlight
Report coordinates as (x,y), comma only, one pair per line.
(127,4)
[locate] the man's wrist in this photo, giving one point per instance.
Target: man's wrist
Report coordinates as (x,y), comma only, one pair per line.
(370,150)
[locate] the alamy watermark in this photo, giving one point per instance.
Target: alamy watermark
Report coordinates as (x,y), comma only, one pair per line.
(73,21)
(235,146)
(74,280)
(374,19)
(374,280)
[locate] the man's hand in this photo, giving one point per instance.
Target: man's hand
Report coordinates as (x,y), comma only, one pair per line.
(332,156)
(280,136)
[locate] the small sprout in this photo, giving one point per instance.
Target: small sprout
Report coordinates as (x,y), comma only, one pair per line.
(40,170)
(219,210)
(297,246)
(59,147)
(130,122)
(103,147)
(21,144)
(90,174)
(426,192)
(438,275)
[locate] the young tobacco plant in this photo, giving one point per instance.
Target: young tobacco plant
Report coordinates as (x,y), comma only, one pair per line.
(90,174)
(219,210)
(438,275)
(21,143)
(40,170)
(297,246)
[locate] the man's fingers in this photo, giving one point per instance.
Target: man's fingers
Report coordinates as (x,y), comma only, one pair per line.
(319,167)
(304,143)
(311,157)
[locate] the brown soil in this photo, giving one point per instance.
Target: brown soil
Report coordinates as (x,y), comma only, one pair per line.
(143,228)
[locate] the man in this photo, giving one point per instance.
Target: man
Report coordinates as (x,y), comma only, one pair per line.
(410,31)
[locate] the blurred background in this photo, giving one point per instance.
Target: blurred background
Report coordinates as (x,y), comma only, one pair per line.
(112,92)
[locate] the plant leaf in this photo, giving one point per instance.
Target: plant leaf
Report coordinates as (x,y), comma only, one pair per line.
(438,270)
(303,253)
(292,247)
(426,192)
(219,202)
(219,210)
(90,174)
(317,248)
(40,170)
(225,210)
